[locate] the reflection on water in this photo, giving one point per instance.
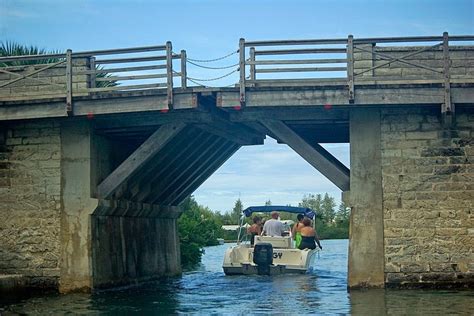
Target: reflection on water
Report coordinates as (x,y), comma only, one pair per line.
(208,290)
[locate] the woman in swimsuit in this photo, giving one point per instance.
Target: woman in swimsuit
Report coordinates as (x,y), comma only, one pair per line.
(296,230)
(309,238)
(255,229)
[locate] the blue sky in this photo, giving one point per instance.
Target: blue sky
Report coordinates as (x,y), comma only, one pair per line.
(212,28)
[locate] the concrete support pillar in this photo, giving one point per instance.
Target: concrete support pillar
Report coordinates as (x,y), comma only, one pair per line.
(366,253)
(76,207)
(130,247)
(108,243)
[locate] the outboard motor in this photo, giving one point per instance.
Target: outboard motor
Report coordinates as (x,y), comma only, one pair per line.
(263,257)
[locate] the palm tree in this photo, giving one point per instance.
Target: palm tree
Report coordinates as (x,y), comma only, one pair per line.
(10,48)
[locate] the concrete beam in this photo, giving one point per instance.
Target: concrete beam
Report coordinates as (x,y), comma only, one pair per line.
(138,159)
(318,157)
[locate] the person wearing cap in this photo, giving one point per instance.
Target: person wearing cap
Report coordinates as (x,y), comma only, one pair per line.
(273,227)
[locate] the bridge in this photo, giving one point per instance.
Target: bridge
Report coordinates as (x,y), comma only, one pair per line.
(99,148)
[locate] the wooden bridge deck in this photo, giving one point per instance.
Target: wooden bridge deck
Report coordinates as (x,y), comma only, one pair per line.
(323,74)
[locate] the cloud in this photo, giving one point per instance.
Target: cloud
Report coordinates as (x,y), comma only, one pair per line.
(272,171)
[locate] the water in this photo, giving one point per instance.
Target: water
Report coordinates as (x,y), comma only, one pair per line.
(209,291)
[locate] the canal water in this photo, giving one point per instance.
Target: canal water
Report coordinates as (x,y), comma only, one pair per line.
(208,291)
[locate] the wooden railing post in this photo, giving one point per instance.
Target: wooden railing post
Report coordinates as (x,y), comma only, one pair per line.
(350,67)
(69,109)
(169,72)
(184,73)
(252,66)
(242,70)
(447,109)
(93,75)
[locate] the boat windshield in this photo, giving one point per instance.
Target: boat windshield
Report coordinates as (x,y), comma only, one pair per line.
(275,208)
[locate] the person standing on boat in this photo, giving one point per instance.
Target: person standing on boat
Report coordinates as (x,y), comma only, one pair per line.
(255,229)
(273,227)
(296,230)
(309,237)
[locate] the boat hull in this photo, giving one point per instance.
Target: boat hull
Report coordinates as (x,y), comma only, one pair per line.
(239,260)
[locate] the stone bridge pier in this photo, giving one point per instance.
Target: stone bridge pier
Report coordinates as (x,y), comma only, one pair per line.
(412,198)
(86,207)
(107,242)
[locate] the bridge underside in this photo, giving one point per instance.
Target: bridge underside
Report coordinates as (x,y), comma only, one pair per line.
(132,168)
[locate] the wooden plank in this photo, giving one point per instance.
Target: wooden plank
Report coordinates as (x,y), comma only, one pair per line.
(242,70)
(122,69)
(138,159)
(93,73)
(184,73)
(297,61)
(350,68)
(185,160)
(129,60)
(324,162)
(120,51)
(69,82)
(133,77)
(252,63)
(204,173)
(169,72)
(297,42)
(303,69)
(137,86)
(447,106)
(301,51)
(204,157)
(149,184)
(235,132)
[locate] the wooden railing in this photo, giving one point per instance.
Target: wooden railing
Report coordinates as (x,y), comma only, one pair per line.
(85,73)
(352,62)
(347,62)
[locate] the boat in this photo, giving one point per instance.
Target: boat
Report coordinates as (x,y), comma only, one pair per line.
(269,255)
(220,241)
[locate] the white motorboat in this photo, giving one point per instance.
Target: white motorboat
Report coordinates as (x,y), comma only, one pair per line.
(269,254)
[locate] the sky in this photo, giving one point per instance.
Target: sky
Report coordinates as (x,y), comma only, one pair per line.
(212,28)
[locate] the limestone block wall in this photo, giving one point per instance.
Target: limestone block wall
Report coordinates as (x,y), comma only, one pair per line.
(428,197)
(30,205)
(49,83)
(432,59)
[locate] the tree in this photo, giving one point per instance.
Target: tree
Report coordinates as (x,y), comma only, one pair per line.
(198,227)
(329,224)
(268,203)
(236,212)
(327,209)
(343,215)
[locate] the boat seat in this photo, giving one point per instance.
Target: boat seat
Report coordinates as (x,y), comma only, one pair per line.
(277,242)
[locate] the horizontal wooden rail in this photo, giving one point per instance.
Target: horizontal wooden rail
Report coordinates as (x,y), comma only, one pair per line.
(410,39)
(299,61)
(120,51)
(301,51)
(296,42)
(123,69)
(134,77)
(364,62)
(138,86)
(307,69)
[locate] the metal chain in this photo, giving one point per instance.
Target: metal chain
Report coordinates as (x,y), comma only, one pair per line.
(214,68)
(213,79)
(211,60)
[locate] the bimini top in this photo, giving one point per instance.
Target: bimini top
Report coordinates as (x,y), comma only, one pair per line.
(275,208)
